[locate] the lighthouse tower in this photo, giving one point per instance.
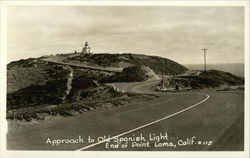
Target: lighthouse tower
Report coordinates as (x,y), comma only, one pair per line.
(86,48)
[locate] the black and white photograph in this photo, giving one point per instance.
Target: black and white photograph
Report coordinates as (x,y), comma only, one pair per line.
(142,77)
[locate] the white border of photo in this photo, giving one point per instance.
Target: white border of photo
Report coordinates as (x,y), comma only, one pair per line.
(30,154)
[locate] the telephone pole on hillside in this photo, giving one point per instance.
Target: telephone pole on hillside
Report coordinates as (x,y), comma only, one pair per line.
(162,72)
(162,86)
(205,64)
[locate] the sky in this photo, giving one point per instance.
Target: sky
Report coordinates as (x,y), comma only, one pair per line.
(178,33)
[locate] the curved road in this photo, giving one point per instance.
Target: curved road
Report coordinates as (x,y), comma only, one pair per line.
(205,116)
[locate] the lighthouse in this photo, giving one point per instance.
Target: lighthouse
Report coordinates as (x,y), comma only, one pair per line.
(86,49)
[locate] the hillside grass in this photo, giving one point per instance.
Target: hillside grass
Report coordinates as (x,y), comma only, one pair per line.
(99,101)
(115,60)
(207,79)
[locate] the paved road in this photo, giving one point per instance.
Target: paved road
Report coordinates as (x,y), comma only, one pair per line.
(207,122)
(137,87)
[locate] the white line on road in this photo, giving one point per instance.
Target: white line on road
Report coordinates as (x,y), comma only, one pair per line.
(148,124)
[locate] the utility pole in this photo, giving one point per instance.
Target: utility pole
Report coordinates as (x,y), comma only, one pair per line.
(162,71)
(205,66)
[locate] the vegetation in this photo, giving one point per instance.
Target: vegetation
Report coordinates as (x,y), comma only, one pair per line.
(206,79)
(90,99)
(124,60)
(131,74)
(36,86)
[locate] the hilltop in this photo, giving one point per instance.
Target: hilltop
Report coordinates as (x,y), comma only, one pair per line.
(120,61)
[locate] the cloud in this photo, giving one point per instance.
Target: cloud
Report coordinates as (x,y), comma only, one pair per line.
(178,33)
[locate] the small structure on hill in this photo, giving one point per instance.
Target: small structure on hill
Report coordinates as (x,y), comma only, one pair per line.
(86,49)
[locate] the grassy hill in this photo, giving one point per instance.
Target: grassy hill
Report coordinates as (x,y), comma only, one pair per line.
(37,86)
(207,79)
(131,74)
(23,73)
(125,60)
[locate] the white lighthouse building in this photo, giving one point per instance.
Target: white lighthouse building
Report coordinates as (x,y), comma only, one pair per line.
(86,48)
